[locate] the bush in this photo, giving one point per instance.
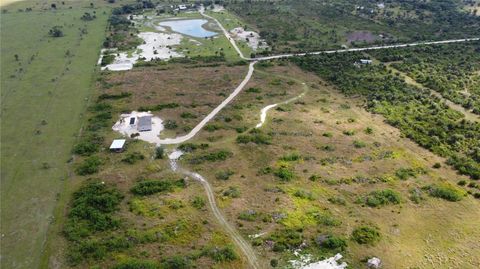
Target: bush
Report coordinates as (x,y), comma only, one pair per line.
(136,264)
(232,192)
(190,147)
(359,144)
(176,262)
(286,239)
(284,173)
(88,145)
(159,151)
(221,254)
(170,124)
(56,31)
(334,243)
(366,235)
(198,202)
(219,155)
(292,157)
(92,209)
(89,166)
(148,187)
(107,59)
(133,157)
(254,90)
(383,197)
(224,175)
(446,191)
(255,136)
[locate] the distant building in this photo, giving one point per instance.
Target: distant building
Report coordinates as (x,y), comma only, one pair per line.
(365,61)
(144,123)
(117,145)
(182,7)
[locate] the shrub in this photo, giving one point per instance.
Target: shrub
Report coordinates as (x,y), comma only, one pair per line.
(446,191)
(91,210)
(170,124)
(359,144)
(369,130)
(221,254)
(334,243)
(88,146)
(248,215)
(253,90)
(327,134)
(284,173)
(255,136)
(337,200)
(273,263)
(383,197)
(187,115)
(190,147)
(136,264)
(292,157)
(148,187)
(107,59)
(159,152)
(349,133)
(219,155)
(224,175)
(133,157)
(366,235)
(462,183)
(176,262)
(198,202)
(56,31)
(405,173)
(286,239)
(89,166)
(232,192)
(437,165)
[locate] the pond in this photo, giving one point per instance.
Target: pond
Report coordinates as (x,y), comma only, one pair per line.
(189,27)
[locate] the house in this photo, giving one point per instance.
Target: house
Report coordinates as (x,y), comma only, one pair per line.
(117,145)
(182,7)
(365,61)
(144,123)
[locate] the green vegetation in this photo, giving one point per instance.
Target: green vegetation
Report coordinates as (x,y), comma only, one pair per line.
(214,156)
(254,136)
(224,175)
(92,211)
(44,82)
(382,197)
(414,111)
(446,191)
(148,187)
(449,70)
(89,166)
(133,157)
(366,235)
(304,25)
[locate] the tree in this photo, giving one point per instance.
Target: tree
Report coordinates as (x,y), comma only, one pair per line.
(16,57)
(54,6)
(55,31)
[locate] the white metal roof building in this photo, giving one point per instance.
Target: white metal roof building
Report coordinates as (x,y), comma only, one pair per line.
(117,144)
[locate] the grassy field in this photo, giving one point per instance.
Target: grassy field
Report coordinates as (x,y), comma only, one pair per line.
(44,92)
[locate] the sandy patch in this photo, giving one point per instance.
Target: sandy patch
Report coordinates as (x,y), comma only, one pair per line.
(156,46)
(361,36)
(217,8)
(123,126)
(252,38)
(304,262)
(8,2)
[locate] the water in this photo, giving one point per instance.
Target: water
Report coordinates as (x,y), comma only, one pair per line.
(189,27)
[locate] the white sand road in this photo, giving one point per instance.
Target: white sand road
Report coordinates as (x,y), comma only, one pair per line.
(243,245)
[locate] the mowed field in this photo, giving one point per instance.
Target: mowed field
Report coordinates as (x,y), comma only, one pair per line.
(44,90)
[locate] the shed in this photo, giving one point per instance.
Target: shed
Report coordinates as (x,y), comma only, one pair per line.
(117,145)
(144,123)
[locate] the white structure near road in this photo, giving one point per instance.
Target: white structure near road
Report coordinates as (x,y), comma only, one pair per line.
(140,125)
(117,145)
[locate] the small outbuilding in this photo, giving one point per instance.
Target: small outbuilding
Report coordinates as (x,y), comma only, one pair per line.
(118,145)
(365,61)
(144,123)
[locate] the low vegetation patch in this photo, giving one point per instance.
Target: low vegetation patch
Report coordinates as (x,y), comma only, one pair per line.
(382,197)
(446,191)
(89,166)
(366,235)
(214,156)
(148,187)
(255,136)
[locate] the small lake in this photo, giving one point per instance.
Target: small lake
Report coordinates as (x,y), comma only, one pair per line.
(189,27)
